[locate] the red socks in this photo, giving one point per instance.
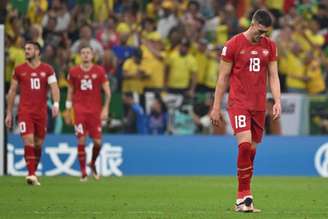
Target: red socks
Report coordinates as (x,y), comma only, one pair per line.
(245,168)
(37,152)
(29,155)
(82,158)
(95,153)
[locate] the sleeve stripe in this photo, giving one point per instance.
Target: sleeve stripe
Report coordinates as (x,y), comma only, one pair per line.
(52,79)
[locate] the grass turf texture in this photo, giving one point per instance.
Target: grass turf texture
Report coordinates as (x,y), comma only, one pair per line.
(161,197)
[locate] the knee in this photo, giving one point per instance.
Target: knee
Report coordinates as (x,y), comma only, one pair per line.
(97,142)
(81,140)
(245,149)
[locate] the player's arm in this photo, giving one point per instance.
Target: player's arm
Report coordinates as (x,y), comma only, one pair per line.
(55,98)
(107,92)
(10,102)
(221,87)
(275,88)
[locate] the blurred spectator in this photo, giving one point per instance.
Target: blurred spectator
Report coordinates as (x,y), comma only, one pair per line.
(50,35)
(134,117)
(181,68)
(86,37)
(296,77)
(36,10)
(134,73)
(168,20)
(153,58)
(122,52)
(107,35)
(316,83)
(59,10)
(157,119)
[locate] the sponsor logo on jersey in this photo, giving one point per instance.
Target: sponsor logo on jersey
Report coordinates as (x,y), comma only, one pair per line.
(242,52)
(23,74)
(43,74)
(253,52)
(265,52)
(94,76)
(34,74)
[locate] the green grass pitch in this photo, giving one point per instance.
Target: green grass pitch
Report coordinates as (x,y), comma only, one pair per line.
(161,197)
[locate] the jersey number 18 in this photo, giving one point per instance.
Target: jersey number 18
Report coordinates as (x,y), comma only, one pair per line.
(254,64)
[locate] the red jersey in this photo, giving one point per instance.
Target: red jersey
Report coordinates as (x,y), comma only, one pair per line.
(33,85)
(87,88)
(249,71)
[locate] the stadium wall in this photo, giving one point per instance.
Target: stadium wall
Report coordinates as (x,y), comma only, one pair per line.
(177,155)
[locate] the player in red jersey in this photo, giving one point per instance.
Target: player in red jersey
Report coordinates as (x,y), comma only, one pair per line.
(33,79)
(84,94)
(247,60)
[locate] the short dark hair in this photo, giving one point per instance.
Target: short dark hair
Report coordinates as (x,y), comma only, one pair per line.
(263,17)
(35,44)
(85,46)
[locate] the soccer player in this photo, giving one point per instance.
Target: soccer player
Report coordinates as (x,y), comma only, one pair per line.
(247,60)
(33,79)
(84,95)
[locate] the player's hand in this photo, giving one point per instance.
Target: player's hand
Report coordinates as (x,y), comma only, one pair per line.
(276,111)
(104,114)
(55,111)
(9,120)
(216,117)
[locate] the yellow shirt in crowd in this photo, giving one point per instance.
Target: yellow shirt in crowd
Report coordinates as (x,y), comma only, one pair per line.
(295,68)
(181,69)
(202,63)
(155,68)
(131,68)
(316,83)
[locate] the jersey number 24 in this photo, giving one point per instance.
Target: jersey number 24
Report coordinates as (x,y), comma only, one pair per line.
(86,84)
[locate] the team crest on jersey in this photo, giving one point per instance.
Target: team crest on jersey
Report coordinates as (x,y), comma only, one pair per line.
(94,76)
(242,52)
(24,74)
(265,52)
(43,74)
(253,52)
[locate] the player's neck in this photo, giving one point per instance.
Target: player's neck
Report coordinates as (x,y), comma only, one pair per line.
(34,63)
(249,36)
(86,66)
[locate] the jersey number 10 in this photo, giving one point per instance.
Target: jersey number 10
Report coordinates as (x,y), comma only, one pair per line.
(35,83)
(254,64)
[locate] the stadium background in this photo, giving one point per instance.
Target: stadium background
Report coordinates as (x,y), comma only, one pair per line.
(175,138)
(143,39)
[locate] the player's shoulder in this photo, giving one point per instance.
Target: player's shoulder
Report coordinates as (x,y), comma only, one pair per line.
(268,41)
(99,68)
(21,67)
(74,69)
(235,39)
(46,67)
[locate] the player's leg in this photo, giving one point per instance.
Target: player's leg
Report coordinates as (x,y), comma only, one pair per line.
(40,124)
(94,127)
(82,156)
(95,153)
(241,124)
(38,142)
(80,132)
(26,128)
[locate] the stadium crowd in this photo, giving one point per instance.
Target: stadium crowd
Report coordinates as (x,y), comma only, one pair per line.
(162,55)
